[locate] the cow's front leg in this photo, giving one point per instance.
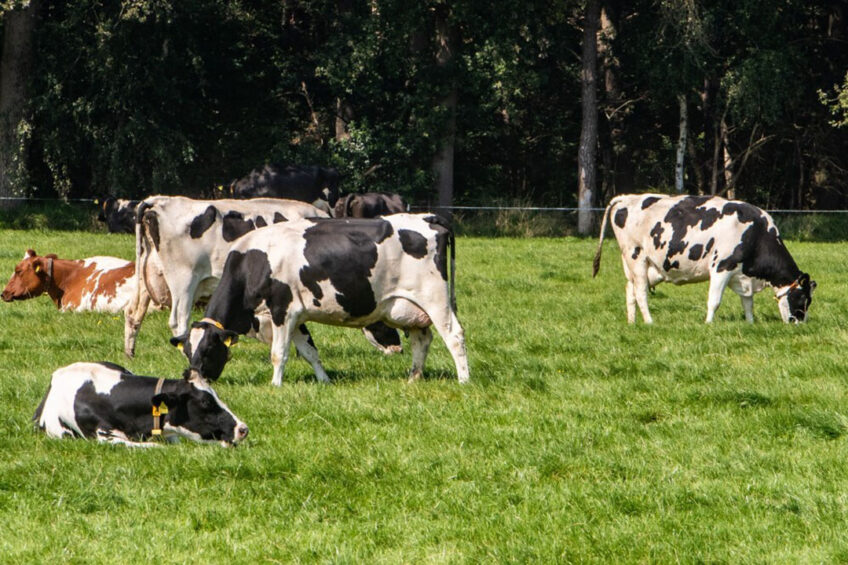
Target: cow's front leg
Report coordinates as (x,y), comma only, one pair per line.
(304,344)
(119,438)
(718,282)
(419,342)
(181,305)
(280,345)
(746,294)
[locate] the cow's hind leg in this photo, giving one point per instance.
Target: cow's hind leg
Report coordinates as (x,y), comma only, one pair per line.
(133,316)
(639,278)
(447,324)
(306,347)
(629,293)
(419,342)
(718,282)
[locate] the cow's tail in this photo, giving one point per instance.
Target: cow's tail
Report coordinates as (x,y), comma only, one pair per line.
(451,243)
(596,263)
(140,241)
(36,418)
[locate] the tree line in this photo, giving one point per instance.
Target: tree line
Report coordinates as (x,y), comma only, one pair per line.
(561,103)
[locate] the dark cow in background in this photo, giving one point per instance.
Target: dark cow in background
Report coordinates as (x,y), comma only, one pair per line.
(369,205)
(340,272)
(107,402)
(100,284)
(118,214)
(318,186)
(684,239)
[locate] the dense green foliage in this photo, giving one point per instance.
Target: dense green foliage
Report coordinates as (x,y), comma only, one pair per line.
(147,96)
(579,438)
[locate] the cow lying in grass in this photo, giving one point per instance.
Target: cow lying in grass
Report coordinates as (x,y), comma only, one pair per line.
(107,402)
(684,239)
(100,284)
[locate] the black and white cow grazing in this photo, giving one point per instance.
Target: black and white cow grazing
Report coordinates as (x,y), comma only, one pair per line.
(118,214)
(683,239)
(318,186)
(369,205)
(339,272)
(107,402)
(183,243)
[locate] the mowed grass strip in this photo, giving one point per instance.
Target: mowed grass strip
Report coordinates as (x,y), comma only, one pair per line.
(579,438)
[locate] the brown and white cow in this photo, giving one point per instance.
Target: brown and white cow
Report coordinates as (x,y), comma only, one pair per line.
(350,273)
(685,239)
(100,284)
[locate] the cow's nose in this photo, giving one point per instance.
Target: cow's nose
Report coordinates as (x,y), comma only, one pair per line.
(242,431)
(793,320)
(7,296)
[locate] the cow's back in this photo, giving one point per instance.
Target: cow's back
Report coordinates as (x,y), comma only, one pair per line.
(683,238)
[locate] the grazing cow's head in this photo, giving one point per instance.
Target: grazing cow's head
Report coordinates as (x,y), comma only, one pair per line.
(207,347)
(794,300)
(196,412)
(31,277)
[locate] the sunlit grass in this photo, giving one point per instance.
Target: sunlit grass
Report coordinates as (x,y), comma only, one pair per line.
(579,438)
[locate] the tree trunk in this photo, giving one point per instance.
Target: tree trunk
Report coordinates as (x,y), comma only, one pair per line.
(344,114)
(15,69)
(679,167)
(443,159)
(587,152)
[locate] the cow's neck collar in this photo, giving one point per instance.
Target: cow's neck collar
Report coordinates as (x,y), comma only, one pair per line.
(787,289)
(159,412)
(215,323)
(53,290)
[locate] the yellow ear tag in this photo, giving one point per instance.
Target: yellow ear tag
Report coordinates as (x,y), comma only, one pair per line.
(37,268)
(163,408)
(96,202)
(180,345)
(228,342)
(220,187)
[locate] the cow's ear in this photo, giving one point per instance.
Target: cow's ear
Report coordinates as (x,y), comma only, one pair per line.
(38,265)
(167,398)
(29,253)
(179,342)
(229,337)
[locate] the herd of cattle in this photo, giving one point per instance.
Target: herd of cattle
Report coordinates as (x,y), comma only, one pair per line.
(265,267)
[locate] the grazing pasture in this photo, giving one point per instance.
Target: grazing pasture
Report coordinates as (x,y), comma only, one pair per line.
(579,438)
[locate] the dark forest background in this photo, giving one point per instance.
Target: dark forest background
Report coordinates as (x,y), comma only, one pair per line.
(178,96)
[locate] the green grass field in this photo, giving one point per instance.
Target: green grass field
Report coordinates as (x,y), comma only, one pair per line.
(579,438)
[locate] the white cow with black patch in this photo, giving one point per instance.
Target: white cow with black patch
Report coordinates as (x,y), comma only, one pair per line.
(107,402)
(685,239)
(340,272)
(183,243)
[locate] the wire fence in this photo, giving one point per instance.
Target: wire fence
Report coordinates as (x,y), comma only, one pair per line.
(477,220)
